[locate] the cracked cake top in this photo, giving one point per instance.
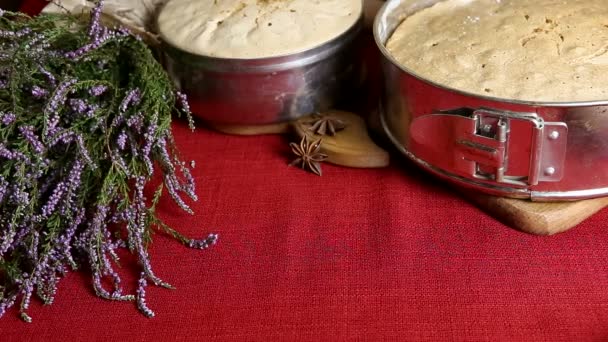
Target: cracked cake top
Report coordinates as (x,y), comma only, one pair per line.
(533,50)
(254,28)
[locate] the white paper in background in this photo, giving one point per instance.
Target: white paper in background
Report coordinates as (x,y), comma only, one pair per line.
(137,13)
(141,13)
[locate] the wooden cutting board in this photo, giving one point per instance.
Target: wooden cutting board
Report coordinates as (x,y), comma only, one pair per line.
(539,218)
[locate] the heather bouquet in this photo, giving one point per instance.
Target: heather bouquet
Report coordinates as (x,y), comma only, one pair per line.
(85,114)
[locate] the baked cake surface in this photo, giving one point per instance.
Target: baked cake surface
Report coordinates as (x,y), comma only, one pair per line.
(534,50)
(254,28)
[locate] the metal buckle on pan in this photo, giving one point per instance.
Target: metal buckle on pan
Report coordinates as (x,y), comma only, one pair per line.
(486,146)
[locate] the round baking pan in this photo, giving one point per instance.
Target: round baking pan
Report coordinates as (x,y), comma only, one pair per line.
(544,151)
(260,91)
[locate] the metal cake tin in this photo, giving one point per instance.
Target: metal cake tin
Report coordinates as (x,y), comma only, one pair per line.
(544,151)
(259,91)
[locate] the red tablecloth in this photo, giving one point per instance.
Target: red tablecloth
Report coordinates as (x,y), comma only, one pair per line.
(355,254)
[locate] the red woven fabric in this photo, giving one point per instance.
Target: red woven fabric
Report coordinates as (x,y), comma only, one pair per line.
(355,254)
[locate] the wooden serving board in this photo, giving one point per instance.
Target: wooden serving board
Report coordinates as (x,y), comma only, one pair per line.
(539,218)
(351,147)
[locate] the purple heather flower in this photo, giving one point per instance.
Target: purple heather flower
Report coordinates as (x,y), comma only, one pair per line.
(125,31)
(78,105)
(53,201)
(7,239)
(47,281)
(19,196)
(204,243)
(133,145)
(118,119)
(97,90)
(3,188)
(11,155)
(172,185)
(28,133)
(136,122)
(18,34)
(183,101)
(161,146)
(149,138)
(121,141)
(137,228)
(7,303)
(52,109)
(49,76)
(7,118)
(38,92)
(25,301)
(91,112)
(117,293)
(37,45)
(72,186)
(95,26)
(94,229)
(99,290)
(84,152)
(22,230)
(74,177)
(98,35)
(65,138)
(87,48)
(52,132)
(33,251)
(141,297)
(108,270)
(189,186)
(118,159)
(133,97)
(97,227)
(63,242)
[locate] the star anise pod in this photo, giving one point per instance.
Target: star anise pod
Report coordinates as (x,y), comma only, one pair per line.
(309,156)
(326,125)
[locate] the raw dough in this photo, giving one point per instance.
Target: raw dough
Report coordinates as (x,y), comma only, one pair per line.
(254,28)
(534,50)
